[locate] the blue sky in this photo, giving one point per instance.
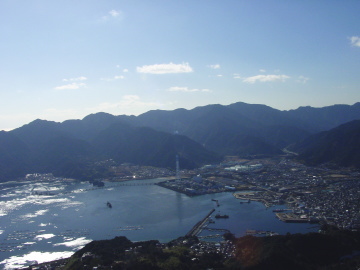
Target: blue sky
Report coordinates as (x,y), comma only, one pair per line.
(66,59)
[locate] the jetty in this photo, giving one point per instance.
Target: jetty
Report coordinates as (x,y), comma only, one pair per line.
(199,226)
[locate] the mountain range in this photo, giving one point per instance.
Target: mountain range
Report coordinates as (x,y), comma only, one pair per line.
(199,136)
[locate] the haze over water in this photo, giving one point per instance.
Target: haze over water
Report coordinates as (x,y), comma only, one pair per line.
(45,228)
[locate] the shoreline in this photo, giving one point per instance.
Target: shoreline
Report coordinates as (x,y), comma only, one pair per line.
(263,201)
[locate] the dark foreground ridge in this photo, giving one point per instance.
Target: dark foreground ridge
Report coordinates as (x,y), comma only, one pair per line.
(330,249)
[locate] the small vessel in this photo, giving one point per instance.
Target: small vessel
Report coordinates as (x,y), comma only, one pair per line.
(109,204)
(217,202)
(278,210)
(248,201)
(221,216)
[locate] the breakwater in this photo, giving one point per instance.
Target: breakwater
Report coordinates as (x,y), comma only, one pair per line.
(198,226)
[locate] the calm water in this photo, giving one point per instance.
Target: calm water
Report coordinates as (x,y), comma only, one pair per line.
(45,228)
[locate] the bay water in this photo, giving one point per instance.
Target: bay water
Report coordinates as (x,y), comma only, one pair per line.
(67,215)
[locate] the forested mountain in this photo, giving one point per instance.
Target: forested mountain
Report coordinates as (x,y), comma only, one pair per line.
(221,128)
(71,148)
(201,135)
(340,146)
(12,153)
(145,146)
(321,119)
(307,118)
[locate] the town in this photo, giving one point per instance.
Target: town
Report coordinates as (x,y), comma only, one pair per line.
(310,194)
(300,194)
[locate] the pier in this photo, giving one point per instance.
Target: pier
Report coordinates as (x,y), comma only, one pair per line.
(198,226)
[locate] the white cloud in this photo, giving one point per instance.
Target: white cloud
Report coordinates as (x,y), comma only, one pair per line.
(186,89)
(219,75)
(262,70)
(237,76)
(71,86)
(216,66)
(114,13)
(165,68)
(82,78)
(114,78)
(124,69)
(265,78)
(355,41)
(302,79)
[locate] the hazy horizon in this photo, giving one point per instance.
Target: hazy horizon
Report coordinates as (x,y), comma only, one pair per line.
(160,109)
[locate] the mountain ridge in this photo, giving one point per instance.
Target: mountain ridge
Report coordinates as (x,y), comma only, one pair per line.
(200,135)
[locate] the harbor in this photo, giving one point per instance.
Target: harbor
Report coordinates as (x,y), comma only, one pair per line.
(202,225)
(77,214)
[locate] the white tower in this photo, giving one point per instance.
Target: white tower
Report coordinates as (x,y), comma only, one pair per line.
(177,168)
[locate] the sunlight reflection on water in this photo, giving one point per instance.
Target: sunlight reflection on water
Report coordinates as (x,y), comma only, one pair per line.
(32,258)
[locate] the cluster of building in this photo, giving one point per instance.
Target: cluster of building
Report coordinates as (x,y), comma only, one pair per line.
(128,171)
(196,186)
(312,194)
(338,205)
(43,177)
(225,248)
(198,248)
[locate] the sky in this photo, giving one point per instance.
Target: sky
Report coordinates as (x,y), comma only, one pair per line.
(67,59)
